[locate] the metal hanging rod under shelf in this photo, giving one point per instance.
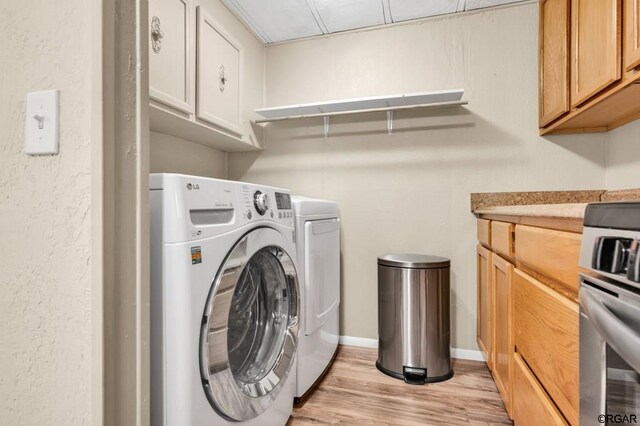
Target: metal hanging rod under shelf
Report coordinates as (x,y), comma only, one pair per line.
(364,111)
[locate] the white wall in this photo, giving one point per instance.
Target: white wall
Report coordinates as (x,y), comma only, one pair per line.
(169,154)
(45,218)
(409,192)
(623,157)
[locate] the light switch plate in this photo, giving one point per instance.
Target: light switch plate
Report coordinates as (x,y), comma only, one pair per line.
(42,122)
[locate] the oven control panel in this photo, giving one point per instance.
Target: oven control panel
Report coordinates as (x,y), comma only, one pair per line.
(617,255)
(611,241)
(633,265)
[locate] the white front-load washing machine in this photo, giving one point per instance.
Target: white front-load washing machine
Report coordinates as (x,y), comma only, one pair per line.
(224,303)
(317,224)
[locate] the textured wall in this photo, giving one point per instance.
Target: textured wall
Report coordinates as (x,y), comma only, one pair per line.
(409,192)
(174,155)
(45,293)
(623,157)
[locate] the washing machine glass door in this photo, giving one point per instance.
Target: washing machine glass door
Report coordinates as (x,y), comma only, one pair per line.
(250,326)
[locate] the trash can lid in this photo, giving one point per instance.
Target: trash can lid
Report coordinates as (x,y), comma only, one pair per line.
(417,261)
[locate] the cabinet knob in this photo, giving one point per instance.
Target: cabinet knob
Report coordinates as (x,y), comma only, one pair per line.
(156,34)
(222,78)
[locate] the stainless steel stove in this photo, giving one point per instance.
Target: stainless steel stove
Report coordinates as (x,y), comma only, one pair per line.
(610,315)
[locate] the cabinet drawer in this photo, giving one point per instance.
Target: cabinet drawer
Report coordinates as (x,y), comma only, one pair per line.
(484,232)
(546,336)
(551,253)
(502,238)
(531,404)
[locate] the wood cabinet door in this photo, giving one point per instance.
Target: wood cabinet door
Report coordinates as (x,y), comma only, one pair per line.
(171,53)
(531,404)
(631,34)
(553,97)
(485,309)
(218,77)
(546,336)
(595,47)
(501,273)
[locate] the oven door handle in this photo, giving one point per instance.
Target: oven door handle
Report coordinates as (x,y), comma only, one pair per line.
(623,339)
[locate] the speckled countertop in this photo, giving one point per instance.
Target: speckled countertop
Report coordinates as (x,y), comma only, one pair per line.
(559,204)
(569,210)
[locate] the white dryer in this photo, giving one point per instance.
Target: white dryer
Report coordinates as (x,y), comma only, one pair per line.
(224,303)
(317,224)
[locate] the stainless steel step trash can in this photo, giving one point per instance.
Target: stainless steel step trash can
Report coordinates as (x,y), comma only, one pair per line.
(413,317)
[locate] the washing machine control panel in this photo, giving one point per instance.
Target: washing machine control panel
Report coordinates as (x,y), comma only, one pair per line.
(262,203)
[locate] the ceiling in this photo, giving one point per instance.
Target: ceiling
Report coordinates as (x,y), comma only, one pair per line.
(282,20)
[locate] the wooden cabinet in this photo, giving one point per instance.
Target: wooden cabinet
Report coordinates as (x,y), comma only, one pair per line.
(170,54)
(484,321)
(554,60)
(552,253)
(500,274)
(546,336)
(528,319)
(531,405)
(631,11)
(218,76)
(590,86)
(595,47)
(484,232)
(502,238)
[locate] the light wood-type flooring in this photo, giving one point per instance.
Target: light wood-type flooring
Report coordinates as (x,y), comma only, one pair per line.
(354,392)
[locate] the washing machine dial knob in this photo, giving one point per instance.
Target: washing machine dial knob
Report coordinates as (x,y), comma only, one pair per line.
(261,202)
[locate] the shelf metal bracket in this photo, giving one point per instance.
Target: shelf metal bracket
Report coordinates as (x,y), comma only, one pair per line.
(389,121)
(325,120)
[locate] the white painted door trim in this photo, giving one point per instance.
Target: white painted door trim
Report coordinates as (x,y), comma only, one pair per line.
(120,215)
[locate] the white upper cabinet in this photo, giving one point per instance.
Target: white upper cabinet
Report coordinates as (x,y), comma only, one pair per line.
(170,53)
(196,74)
(219,62)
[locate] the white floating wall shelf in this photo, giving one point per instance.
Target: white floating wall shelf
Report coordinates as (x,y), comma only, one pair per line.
(426,100)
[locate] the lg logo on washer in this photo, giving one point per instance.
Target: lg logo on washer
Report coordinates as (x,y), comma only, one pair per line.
(191,186)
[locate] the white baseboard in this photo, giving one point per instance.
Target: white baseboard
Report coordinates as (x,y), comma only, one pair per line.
(469,354)
(363,342)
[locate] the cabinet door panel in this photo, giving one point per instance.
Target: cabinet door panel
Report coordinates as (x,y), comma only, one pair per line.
(632,34)
(219,73)
(170,71)
(485,307)
(531,404)
(554,60)
(595,47)
(501,272)
(546,337)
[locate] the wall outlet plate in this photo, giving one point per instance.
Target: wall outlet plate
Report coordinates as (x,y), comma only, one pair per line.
(42,122)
